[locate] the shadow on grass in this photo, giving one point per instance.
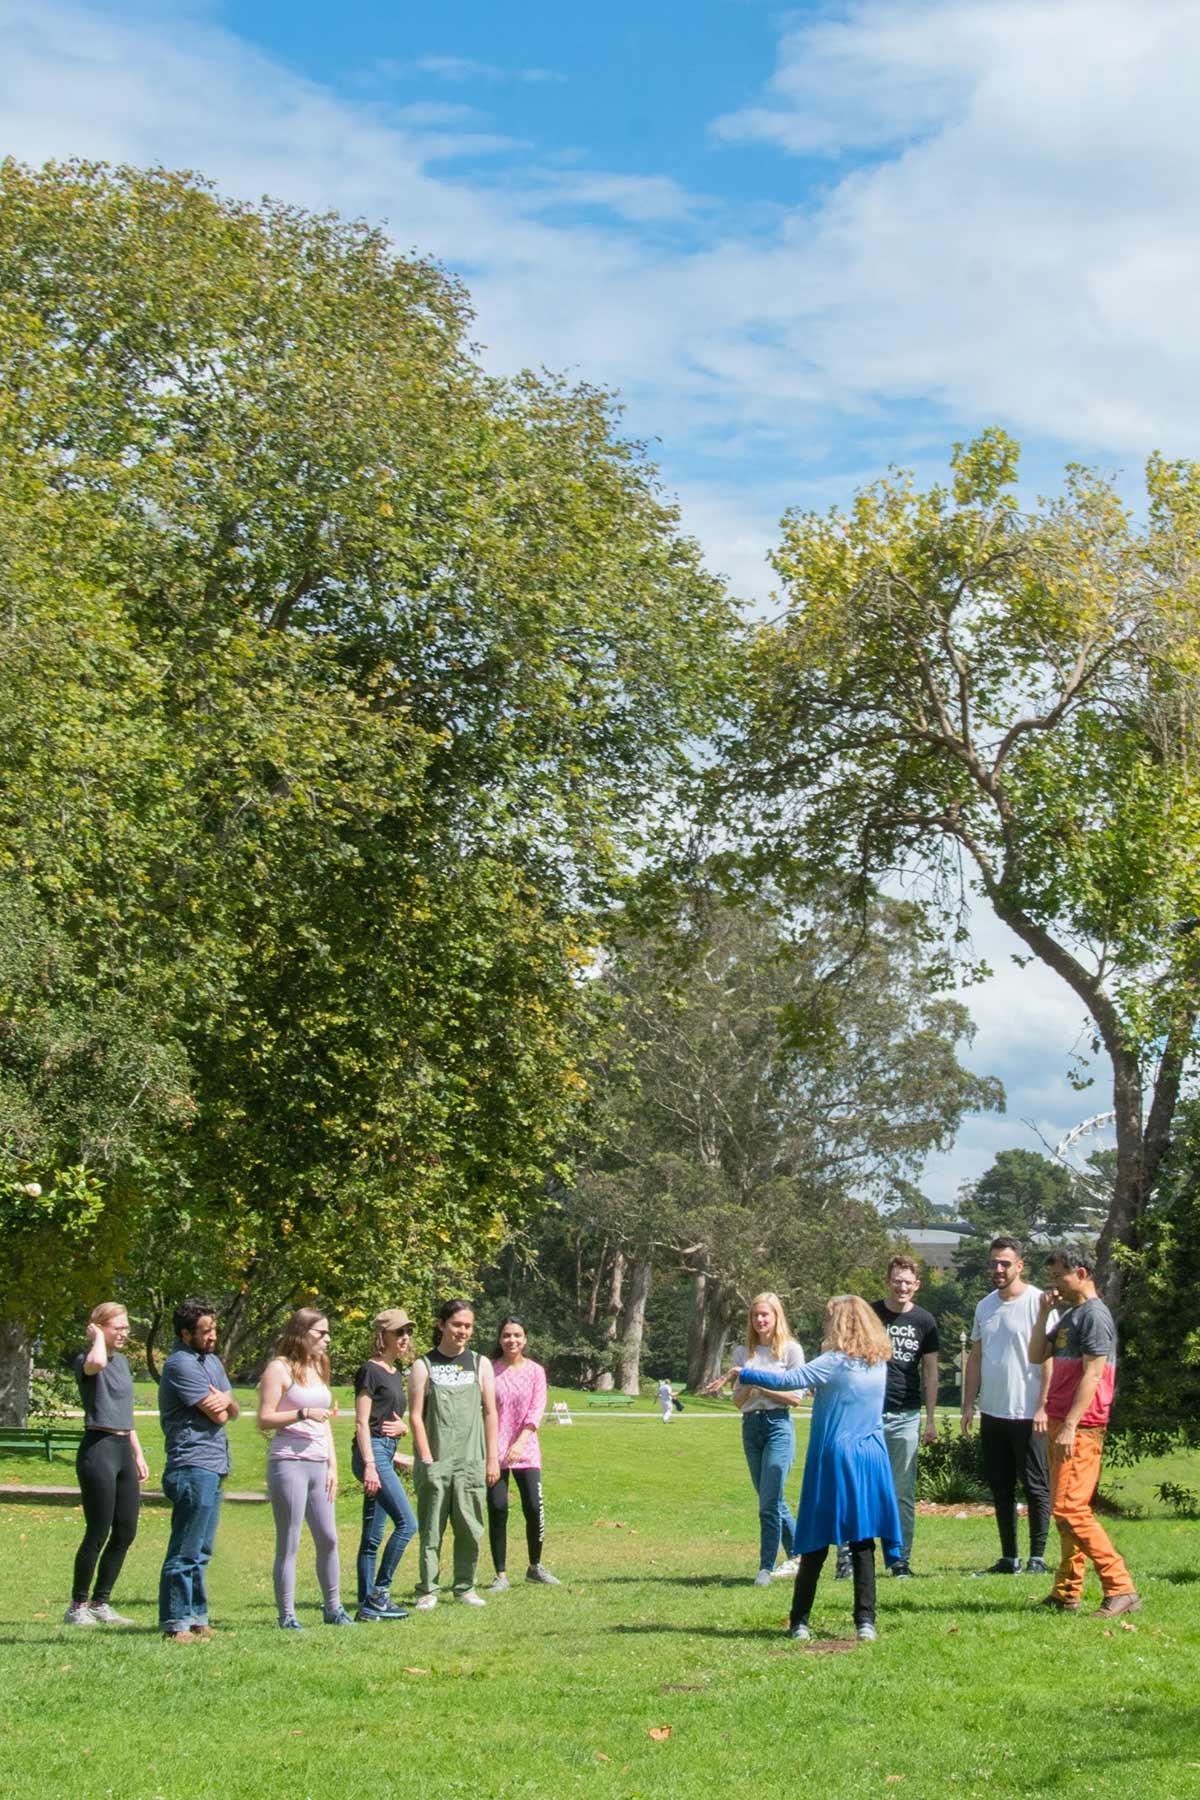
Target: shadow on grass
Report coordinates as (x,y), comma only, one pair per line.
(1179,1577)
(751,1635)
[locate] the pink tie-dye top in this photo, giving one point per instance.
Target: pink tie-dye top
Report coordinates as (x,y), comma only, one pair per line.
(520,1403)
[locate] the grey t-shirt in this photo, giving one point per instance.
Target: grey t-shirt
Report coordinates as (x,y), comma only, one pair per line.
(194,1441)
(107,1396)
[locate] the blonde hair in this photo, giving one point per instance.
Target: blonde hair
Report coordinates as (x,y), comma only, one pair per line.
(851,1326)
(106,1312)
(781,1337)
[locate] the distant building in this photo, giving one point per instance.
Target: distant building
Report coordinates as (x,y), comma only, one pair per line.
(934,1246)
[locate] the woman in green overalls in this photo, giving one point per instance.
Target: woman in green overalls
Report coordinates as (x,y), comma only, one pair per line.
(452,1409)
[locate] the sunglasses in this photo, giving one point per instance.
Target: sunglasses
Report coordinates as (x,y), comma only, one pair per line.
(320,1334)
(402,1331)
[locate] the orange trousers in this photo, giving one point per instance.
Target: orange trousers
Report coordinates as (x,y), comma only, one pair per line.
(1072,1485)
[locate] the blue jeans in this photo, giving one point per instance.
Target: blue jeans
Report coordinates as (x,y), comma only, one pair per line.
(769,1440)
(391,1502)
(195,1496)
(902,1435)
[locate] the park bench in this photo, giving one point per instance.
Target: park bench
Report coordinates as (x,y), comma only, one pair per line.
(46,1438)
(610,1399)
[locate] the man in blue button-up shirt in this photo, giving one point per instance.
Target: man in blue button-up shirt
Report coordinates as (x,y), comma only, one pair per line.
(194,1404)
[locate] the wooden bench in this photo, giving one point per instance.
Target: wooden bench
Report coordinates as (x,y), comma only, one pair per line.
(611,1399)
(46,1438)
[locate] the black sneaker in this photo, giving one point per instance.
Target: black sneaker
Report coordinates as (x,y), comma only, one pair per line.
(1003,1565)
(1036,1566)
(899,1571)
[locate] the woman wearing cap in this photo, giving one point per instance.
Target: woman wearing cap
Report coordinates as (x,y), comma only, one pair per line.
(520,1409)
(378,1423)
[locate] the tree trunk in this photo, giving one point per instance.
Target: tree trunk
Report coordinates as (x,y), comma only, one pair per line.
(152,1368)
(612,1313)
(16,1370)
(633,1326)
(713,1305)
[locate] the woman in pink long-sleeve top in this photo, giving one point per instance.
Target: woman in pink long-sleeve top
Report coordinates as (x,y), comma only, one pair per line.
(520,1408)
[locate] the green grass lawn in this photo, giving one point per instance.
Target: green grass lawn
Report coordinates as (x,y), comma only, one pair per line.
(554,1692)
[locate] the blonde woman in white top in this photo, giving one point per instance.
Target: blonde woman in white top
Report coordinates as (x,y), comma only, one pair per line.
(768,1430)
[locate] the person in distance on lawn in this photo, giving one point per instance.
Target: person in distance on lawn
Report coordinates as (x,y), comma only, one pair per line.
(376,1459)
(848,1494)
(665,1395)
(195,1402)
(1011,1390)
(768,1431)
(912,1374)
(453,1412)
(294,1401)
(1083,1346)
(520,1409)
(109,1464)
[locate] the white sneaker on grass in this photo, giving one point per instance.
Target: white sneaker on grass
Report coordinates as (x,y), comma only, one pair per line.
(79,1613)
(787,1571)
(501,1584)
(104,1614)
(763,1578)
(425,1602)
(470,1598)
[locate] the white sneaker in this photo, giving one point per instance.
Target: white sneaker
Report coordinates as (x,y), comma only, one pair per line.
(763,1578)
(470,1598)
(105,1614)
(424,1602)
(79,1613)
(787,1571)
(501,1584)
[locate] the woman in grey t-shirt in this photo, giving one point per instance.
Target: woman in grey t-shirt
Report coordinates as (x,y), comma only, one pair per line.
(109,1465)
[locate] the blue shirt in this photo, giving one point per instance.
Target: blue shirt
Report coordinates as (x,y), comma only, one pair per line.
(194,1441)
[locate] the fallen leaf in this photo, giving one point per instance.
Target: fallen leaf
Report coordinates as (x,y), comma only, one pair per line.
(888,1778)
(600,1757)
(952,1628)
(1126,1626)
(1108,1634)
(660,1733)
(409,1671)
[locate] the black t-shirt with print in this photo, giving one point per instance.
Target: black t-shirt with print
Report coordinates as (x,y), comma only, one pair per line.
(914,1334)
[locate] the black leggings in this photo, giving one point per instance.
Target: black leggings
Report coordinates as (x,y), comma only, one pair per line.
(529,1486)
(1012,1448)
(862,1561)
(111,1498)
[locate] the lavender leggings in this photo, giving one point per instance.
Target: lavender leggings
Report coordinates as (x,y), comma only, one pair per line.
(297,1489)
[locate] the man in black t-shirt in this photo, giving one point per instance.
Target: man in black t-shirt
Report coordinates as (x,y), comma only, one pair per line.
(911,1373)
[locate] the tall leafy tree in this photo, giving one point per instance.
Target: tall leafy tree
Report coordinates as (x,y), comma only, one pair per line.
(1002,703)
(368,674)
(1023,1195)
(774,1081)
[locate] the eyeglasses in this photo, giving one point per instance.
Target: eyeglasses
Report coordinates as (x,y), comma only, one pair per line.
(321,1333)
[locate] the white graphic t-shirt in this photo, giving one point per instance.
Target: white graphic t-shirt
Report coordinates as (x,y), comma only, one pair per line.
(1009,1383)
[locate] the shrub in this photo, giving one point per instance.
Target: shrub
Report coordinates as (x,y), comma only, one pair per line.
(952,1471)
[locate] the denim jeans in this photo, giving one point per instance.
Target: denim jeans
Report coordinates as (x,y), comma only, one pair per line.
(769,1440)
(195,1496)
(902,1435)
(391,1502)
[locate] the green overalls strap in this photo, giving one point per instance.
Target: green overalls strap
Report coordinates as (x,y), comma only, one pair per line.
(453,1488)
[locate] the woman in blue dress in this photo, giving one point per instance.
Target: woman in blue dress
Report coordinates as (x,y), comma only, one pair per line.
(848,1494)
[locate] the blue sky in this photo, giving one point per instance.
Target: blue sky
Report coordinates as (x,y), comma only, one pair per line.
(802,242)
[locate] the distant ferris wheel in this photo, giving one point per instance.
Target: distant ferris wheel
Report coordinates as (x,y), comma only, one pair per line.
(1075,1150)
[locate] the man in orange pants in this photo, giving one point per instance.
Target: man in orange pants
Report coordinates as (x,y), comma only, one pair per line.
(1083,1344)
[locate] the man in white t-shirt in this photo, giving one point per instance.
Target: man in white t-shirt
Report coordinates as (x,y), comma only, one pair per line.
(1012,1406)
